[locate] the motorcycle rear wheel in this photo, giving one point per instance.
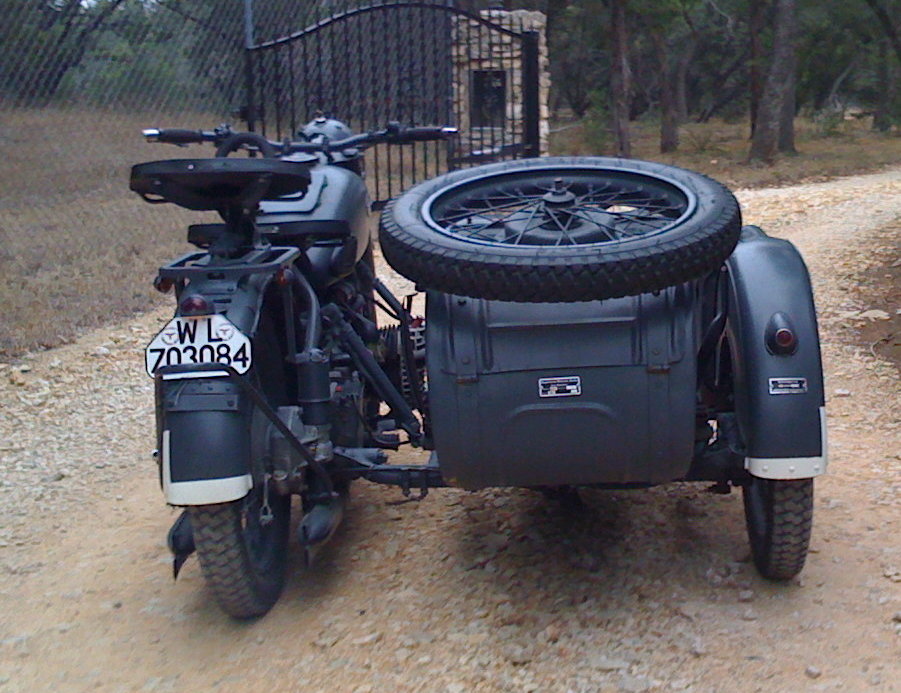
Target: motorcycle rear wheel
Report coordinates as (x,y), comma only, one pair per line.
(243,558)
(243,561)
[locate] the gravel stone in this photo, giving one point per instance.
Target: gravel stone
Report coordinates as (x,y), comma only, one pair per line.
(604,663)
(813,672)
(634,684)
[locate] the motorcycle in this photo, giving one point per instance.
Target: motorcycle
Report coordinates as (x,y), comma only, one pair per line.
(589,322)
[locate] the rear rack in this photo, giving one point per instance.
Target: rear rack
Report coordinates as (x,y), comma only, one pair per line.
(258,260)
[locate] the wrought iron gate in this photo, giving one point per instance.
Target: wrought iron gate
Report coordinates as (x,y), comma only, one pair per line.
(418,62)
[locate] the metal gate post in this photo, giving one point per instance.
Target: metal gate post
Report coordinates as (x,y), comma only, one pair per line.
(531,108)
(249,110)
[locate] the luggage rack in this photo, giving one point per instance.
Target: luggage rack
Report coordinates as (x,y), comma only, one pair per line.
(258,260)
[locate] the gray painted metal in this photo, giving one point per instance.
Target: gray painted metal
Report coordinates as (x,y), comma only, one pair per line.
(768,276)
(632,423)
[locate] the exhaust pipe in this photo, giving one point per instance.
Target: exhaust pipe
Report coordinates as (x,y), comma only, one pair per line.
(319,525)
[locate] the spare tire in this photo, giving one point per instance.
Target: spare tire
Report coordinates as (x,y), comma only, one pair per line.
(560,229)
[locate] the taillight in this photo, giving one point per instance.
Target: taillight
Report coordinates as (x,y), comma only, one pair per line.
(195,304)
(785,338)
(781,338)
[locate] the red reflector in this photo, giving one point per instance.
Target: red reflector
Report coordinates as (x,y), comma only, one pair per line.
(785,338)
(195,305)
(162,285)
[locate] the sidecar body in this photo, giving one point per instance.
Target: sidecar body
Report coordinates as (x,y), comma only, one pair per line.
(612,392)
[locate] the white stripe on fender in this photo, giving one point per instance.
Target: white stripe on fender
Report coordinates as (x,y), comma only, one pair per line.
(202,491)
(792,467)
(195,374)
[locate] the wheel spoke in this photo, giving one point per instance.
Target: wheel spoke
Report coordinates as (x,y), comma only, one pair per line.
(565,208)
(611,231)
(526,227)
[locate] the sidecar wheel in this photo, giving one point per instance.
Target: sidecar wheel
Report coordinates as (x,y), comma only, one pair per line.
(779,517)
(243,561)
(560,229)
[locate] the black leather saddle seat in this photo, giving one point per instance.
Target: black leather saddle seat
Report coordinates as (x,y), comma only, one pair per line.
(214,184)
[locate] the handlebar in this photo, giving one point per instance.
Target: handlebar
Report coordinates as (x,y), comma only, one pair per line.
(178,136)
(395,133)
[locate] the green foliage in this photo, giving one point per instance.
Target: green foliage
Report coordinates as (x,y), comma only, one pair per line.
(133,53)
(596,124)
(188,52)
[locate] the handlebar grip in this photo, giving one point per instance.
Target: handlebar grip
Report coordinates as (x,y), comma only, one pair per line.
(425,134)
(176,136)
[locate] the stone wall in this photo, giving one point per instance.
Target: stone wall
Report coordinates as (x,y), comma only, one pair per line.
(478,47)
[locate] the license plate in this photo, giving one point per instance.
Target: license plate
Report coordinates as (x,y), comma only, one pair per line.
(203,339)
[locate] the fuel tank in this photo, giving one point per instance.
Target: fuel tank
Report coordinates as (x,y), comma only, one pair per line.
(334,208)
(600,392)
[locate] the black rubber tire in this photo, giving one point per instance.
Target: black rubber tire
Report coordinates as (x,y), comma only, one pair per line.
(688,249)
(779,517)
(243,562)
(244,585)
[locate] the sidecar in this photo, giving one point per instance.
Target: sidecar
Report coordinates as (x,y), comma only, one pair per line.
(607,323)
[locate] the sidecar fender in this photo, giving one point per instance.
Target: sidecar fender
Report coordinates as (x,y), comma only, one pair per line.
(779,398)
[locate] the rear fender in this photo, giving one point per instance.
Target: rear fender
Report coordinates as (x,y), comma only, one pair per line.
(204,423)
(779,398)
(204,441)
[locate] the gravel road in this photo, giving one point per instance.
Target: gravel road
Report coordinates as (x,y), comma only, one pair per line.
(490,591)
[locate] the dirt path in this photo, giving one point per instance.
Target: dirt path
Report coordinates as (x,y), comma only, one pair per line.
(491,591)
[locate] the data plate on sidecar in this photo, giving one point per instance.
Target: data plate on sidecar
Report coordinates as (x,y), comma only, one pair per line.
(201,339)
(565,386)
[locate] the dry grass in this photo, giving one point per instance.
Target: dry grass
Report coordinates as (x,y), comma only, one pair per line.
(77,249)
(720,150)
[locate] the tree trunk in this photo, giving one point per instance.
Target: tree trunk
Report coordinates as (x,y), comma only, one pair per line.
(669,118)
(726,97)
(620,79)
(882,117)
(787,113)
(553,11)
(832,100)
(721,80)
(779,82)
(680,78)
(755,69)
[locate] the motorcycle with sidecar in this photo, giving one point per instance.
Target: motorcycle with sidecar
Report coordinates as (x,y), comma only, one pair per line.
(589,322)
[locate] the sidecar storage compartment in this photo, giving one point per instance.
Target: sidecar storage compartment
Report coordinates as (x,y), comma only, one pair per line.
(601,392)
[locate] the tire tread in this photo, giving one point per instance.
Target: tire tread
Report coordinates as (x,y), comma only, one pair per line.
(225,564)
(783,553)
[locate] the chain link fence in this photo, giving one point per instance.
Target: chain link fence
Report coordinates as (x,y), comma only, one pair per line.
(79,79)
